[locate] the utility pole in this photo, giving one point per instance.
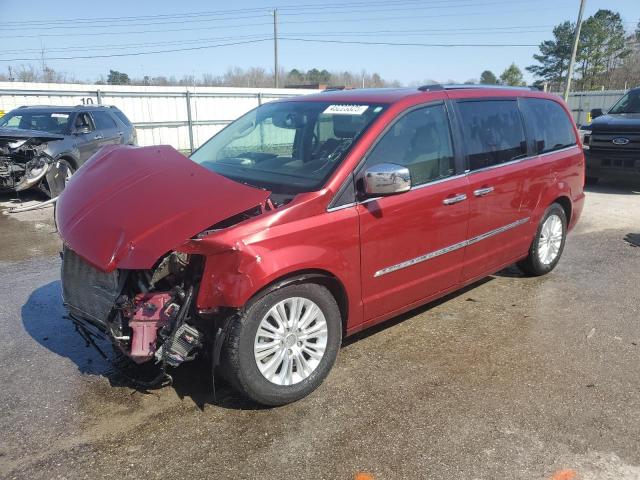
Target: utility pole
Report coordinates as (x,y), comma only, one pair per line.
(572,61)
(275,47)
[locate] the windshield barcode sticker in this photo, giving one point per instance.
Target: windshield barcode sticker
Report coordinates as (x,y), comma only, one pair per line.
(60,115)
(346,109)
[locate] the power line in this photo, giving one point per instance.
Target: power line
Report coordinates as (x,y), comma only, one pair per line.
(408,44)
(297,7)
(395,9)
(457,31)
(171,22)
(418,32)
(133,54)
(297,22)
(88,48)
(131,32)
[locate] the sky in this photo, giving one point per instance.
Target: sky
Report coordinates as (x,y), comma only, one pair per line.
(214,36)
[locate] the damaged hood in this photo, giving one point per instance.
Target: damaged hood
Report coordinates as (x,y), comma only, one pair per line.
(10,135)
(128,206)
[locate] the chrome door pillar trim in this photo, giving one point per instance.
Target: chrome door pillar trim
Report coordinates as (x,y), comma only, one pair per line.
(450,248)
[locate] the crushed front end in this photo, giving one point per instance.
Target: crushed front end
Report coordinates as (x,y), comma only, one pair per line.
(24,163)
(146,314)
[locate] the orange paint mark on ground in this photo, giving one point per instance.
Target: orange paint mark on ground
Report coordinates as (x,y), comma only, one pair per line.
(567,474)
(363,476)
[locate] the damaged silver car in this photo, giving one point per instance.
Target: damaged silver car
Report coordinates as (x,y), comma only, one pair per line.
(41,147)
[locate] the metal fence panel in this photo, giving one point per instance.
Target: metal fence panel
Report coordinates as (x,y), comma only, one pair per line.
(183,117)
(581,103)
(161,114)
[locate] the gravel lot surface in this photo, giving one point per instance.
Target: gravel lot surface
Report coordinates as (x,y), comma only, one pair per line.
(512,378)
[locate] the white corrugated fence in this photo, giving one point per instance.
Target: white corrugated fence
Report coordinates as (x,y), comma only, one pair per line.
(183,117)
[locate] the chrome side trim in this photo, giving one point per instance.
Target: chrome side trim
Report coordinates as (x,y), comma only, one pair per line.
(466,173)
(557,151)
(417,187)
(342,207)
(450,248)
(436,182)
(420,259)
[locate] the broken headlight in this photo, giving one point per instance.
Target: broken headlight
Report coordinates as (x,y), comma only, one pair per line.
(36,168)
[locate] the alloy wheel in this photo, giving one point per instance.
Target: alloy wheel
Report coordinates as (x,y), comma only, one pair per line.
(290,341)
(550,239)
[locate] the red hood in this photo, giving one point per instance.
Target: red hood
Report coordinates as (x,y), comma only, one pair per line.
(128,206)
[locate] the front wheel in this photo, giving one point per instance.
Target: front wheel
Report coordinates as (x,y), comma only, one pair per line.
(285,343)
(548,244)
(57,178)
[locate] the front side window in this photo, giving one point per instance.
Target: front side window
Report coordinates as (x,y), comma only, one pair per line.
(630,103)
(420,141)
(84,122)
(50,122)
(493,132)
(287,147)
(549,124)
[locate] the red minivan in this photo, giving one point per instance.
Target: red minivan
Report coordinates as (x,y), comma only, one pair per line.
(311,218)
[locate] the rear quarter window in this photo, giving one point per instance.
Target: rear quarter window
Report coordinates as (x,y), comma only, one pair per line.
(549,124)
(121,116)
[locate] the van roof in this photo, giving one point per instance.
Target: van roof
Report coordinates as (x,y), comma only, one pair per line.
(393,95)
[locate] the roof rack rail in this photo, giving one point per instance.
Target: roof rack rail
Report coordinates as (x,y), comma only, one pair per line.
(334,89)
(437,86)
(431,88)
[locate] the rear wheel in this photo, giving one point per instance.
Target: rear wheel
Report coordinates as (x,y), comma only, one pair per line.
(548,244)
(284,345)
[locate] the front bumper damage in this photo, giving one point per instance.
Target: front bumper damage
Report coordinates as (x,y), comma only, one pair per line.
(24,161)
(146,315)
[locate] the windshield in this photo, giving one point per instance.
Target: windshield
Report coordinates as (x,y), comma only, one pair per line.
(286,147)
(51,122)
(630,103)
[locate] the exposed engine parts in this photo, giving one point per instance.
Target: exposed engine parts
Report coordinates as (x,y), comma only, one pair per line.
(23,163)
(146,314)
(180,347)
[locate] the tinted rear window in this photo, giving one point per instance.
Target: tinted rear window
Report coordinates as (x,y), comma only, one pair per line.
(493,132)
(550,126)
(103,120)
(123,118)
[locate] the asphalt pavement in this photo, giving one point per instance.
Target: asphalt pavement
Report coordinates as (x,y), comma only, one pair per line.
(511,378)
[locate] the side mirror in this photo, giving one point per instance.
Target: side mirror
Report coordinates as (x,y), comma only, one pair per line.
(82,130)
(596,112)
(386,179)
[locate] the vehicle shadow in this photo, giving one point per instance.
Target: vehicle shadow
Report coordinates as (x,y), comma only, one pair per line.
(618,187)
(416,311)
(43,319)
(632,239)
(16,198)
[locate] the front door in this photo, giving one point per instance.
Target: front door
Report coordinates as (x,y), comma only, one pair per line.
(412,244)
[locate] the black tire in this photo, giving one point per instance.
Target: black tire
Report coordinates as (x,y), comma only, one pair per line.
(54,183)
(239,363)
(533,265)
(591,180)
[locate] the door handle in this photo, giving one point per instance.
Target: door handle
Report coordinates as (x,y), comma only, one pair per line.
(481,192)
(461,197)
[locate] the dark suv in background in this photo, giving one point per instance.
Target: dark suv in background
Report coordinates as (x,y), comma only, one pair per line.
(612,141)
(42,146)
